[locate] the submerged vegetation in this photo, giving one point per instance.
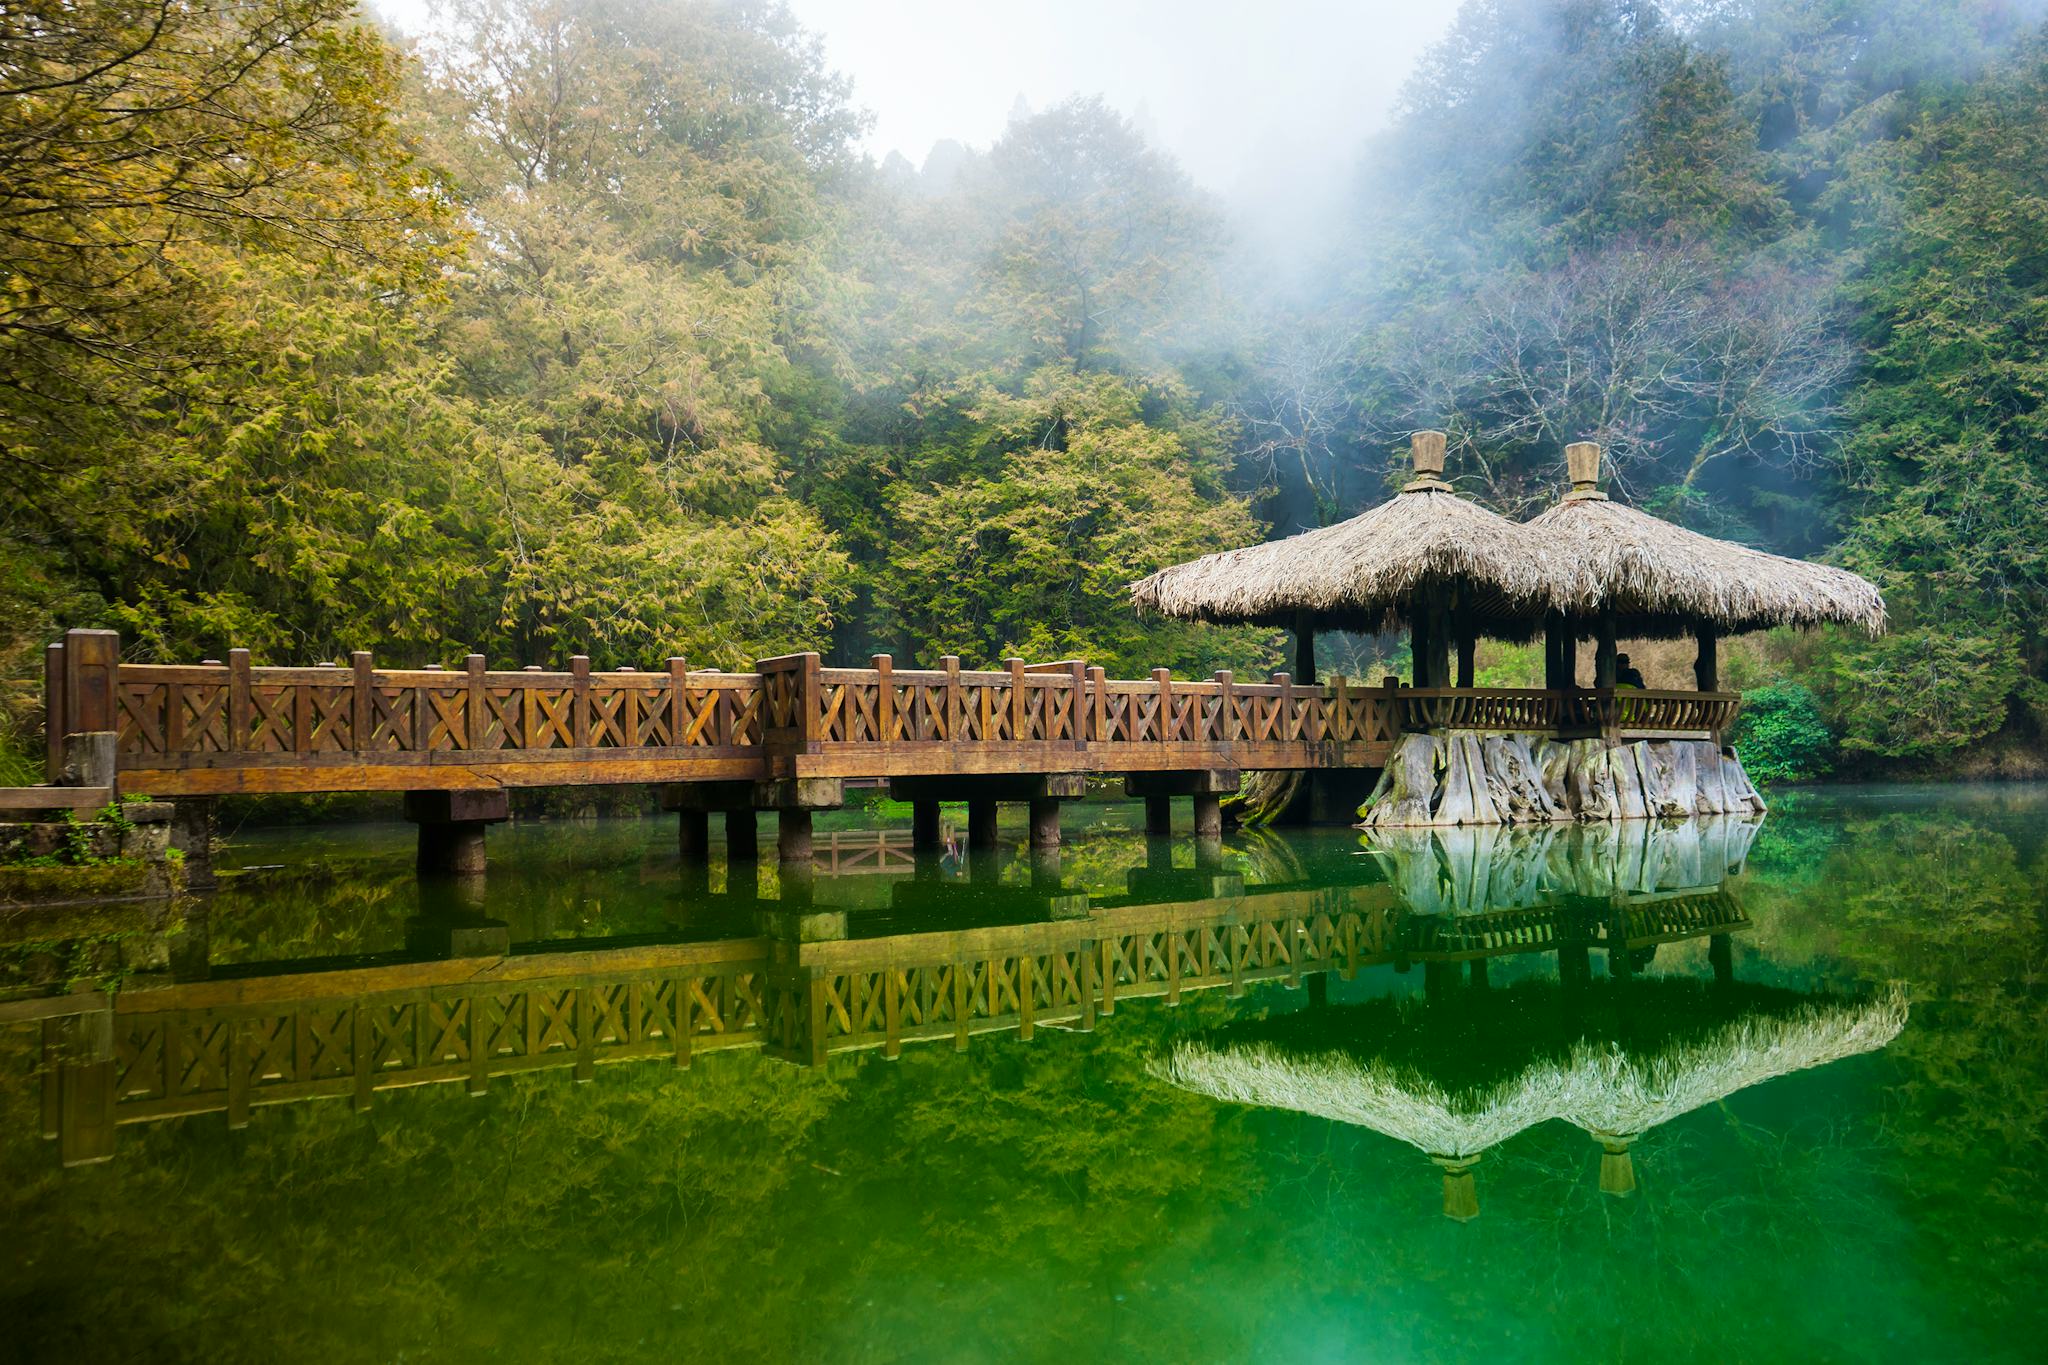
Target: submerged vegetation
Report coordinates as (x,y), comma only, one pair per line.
(581,325)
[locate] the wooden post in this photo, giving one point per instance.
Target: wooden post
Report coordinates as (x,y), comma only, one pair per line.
(362,710)
(1020,714)
(1418,640)
(885,698)
(951,664)
(1208,816)
(1226,715)
(238,700)
(1305,646)
(54,725)
(1603,657)
(1077,708)
(1162,682)
(1098,704)
(1286,685)
(579,711)
(1706,669)
(678,698)
(475,712)
(812,701)
(92,659)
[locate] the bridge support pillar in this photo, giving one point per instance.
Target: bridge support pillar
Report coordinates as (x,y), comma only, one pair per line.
(981,823)
(192,824)
(1206,785)
(1159,817)
(1041,791)
(793,837)
(693,835)
(742,837)
(1045,822)
(452,825)
(1721,954)
(924,826)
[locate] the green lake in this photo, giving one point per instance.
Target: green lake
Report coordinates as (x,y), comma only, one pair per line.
(1844,1011)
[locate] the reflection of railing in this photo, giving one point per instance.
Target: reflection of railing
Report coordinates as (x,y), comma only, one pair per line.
(1663,918)
(237,1043)
(887,850)
(1605,710)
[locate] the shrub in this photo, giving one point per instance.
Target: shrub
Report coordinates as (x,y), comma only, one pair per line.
(1782,735)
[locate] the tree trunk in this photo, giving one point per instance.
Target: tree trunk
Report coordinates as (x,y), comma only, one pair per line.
(1406,785)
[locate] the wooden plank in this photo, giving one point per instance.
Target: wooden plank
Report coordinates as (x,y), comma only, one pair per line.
(54,723)
(54,798)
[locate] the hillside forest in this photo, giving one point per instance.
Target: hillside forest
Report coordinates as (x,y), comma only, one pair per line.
(585,326)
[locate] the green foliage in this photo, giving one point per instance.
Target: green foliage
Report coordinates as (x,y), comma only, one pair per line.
(1921,693)
(583,327)
(1782,735)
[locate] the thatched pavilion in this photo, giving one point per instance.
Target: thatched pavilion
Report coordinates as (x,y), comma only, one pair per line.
(1644,578)
(1426,558)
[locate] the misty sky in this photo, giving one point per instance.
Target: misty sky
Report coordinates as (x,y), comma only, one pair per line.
(1264,101)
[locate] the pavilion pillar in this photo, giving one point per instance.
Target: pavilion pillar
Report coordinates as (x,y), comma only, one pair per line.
(1559,651)
(1706,669)
(1418,640)
(1603,655)
(1304,647)
(1430,638)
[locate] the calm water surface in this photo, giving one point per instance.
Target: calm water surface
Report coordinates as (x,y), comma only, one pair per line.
(1058,1199)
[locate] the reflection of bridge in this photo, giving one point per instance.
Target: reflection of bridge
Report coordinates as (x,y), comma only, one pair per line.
(306,1030)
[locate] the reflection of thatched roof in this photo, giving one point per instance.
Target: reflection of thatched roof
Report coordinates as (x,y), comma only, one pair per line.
(1362,573)
(1609,1092)
(1662,579)
(1364,1092)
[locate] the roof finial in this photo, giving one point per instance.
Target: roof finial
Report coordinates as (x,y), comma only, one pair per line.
(1427,450)
(1582,462)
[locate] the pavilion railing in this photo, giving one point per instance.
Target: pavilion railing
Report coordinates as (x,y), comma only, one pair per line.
(1590,711)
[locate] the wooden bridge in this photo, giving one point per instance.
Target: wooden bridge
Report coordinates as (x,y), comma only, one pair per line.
(783,737)
(294,1032)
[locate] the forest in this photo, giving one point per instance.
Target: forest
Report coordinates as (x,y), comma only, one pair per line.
(585,326)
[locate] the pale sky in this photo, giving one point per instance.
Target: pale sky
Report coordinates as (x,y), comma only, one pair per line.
(1263,101)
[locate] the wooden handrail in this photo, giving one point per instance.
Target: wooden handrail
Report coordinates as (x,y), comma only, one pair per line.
(792,715)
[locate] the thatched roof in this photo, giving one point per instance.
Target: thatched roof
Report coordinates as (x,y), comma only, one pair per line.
(1363,573)
(1662,580)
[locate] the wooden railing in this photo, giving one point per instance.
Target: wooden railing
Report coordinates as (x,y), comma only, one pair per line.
(219,727)
(1581,711)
